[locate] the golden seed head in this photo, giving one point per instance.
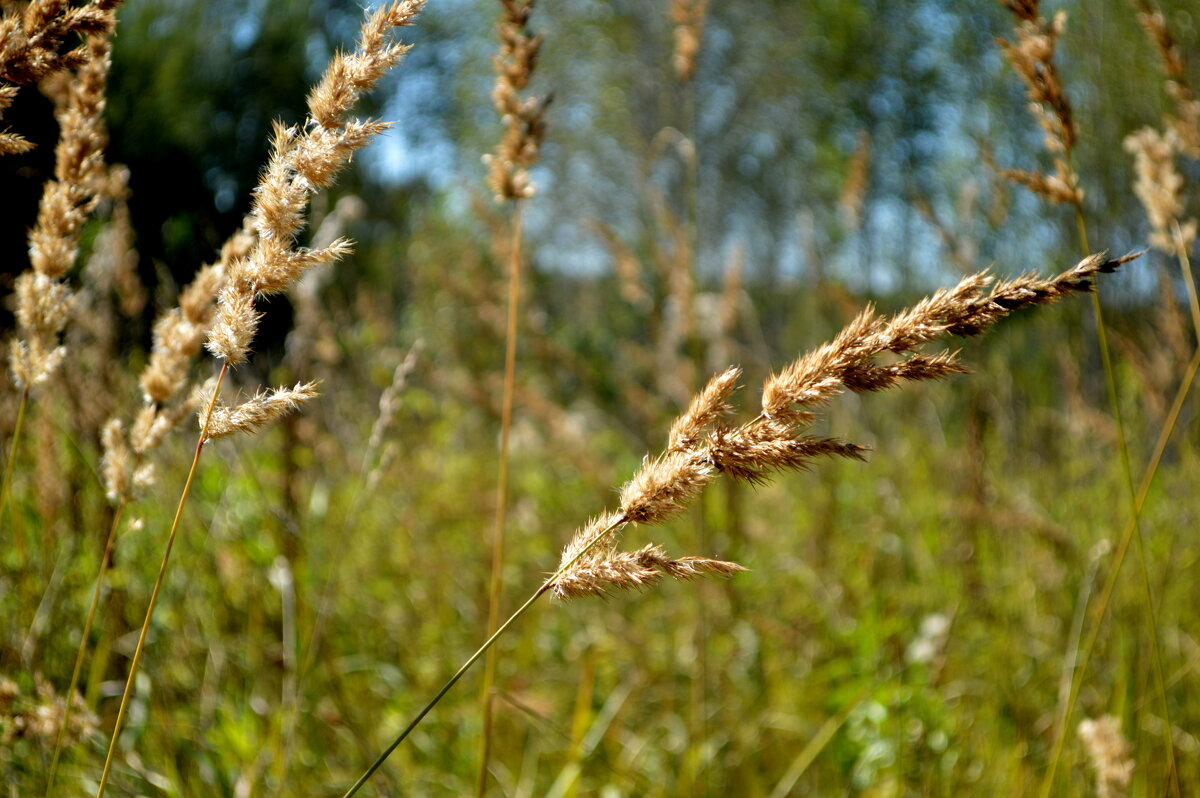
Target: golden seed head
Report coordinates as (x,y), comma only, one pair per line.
(264,408)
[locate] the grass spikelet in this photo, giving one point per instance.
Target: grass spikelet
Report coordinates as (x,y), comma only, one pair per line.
(524,118)
(591,563)
(43,300)
(635,569)
(1185,122)
(709,406)
(774,441)
(1031,54)
(263,409)
(301,162)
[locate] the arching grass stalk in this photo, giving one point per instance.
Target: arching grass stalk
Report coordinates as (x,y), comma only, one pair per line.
(83,641)
(483,649)
(201,439)
(702,445)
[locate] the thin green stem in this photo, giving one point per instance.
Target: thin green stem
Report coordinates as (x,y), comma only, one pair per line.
(1189,281)
(158,582)
(8,470)
(1119,556)
(1133,529)
(544,588)
(497,581)
(83,641)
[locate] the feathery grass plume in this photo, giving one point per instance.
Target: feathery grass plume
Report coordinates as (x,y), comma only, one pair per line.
(303,161)
(43,299)
(1108,753)
(701,445)
(265,407)
(1159,187)
(125,472)
(31,47)
(591,565)
(1032,57)
(524,119)
(688,17)
(1186,120)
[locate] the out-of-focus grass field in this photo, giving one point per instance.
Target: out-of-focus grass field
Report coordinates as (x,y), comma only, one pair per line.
(908,626)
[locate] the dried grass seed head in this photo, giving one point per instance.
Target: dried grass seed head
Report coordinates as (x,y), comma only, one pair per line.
(262,409)
(635,569)
(708,407)
(303,161)
(524,118)
(1159,186)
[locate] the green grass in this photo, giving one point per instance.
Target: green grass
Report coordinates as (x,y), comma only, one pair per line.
(982,502)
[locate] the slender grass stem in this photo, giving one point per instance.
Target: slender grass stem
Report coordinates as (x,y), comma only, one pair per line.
(529,602)
(1133,530)
(83,641)
(1119,556)
(1189,281)
(8,470)
(497,578)
(162,572)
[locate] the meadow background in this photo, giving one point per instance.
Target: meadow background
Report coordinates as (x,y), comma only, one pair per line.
(908,626)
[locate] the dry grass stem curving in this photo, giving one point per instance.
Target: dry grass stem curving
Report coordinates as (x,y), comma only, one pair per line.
(701,445)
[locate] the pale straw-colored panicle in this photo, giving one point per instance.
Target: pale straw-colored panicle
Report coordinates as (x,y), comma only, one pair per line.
(702,446)
(643,568)
(117,463)
(178,335)
(37,41)
(304,160)
(1185,122)
(265,407)
(708,407)
(664,486)
(1109,755)
(389,399)
(1031,54)
(110,271)
(43,299)
(1159,187)
(524,118)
